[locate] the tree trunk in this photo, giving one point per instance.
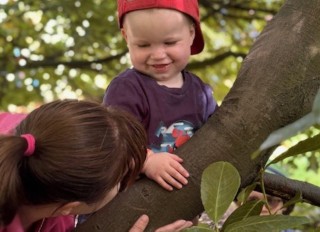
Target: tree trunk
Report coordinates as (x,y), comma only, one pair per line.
(276,85)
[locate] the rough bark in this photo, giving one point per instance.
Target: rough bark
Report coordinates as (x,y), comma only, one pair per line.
(276,85)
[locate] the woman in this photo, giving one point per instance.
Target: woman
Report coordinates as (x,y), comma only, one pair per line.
(66,158)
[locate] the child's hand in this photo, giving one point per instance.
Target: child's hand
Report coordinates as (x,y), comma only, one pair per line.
(166,170)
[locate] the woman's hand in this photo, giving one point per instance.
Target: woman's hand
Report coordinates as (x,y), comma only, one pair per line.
(176,226)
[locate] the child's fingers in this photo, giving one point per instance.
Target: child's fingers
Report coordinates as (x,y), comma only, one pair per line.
(163,184)
(179,178)
(176,175)
(175,179)
(180,169)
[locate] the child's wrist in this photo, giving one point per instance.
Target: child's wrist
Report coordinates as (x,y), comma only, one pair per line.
(149,153)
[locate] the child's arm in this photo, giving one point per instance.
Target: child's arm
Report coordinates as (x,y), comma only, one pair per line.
(166,170)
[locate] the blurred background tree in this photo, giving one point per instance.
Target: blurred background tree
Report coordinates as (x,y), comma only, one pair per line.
(72,49)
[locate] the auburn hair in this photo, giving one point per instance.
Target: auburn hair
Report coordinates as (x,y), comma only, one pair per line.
(82,151)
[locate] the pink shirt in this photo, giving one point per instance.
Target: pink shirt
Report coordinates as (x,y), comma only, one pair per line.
(9,121)
(54,224)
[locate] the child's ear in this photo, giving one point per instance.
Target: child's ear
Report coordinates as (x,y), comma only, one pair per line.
(124,34)
(193,31)
(67,208)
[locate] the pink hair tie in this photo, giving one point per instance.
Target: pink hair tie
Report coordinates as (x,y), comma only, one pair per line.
(31,144)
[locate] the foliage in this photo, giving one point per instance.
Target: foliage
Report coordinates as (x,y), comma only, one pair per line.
(72,49)
(298,142)
(220,183)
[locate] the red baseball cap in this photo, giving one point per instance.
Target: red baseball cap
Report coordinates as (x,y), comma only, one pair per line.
(189,7)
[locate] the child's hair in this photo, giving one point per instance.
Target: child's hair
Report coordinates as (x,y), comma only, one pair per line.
(82,150)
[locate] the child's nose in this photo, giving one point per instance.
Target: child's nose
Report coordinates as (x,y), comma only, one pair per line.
(158,52)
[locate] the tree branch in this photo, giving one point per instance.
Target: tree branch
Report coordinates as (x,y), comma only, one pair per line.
(214,60)
(276,85)
(287,188)
(235,10)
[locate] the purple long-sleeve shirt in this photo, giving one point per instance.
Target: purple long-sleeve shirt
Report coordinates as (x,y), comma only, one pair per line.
(169,115)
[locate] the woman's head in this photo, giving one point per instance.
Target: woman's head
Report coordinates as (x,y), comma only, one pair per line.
(82,151)
(275,203)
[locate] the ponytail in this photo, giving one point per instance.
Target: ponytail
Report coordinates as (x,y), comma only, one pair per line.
(11,155)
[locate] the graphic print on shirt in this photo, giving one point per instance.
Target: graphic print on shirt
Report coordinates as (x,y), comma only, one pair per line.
(173,137)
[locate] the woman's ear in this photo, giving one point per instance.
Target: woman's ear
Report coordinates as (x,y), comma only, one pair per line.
(66,209)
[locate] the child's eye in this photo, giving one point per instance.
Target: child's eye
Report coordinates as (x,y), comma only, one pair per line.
(143,45)
(171,43)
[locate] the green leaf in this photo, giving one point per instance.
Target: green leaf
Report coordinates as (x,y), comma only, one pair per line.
(316,107)
(310,144)
(288,131)
(267,223)
(219,185)
(249,209)
(244,194)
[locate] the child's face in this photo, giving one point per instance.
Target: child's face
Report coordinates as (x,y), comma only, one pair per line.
(159,42)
